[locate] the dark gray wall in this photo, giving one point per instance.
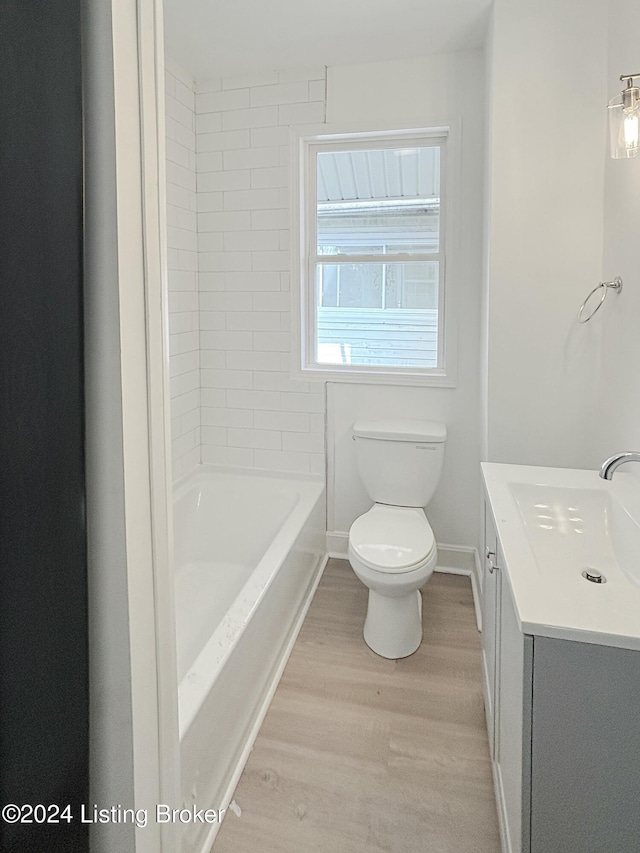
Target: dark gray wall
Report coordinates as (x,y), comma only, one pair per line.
(43,568)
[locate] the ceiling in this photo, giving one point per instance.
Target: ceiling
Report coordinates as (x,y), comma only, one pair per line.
(209,38)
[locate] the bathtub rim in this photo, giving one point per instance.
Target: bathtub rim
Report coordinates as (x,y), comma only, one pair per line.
(204,468)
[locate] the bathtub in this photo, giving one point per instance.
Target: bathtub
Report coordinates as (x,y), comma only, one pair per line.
(249,552)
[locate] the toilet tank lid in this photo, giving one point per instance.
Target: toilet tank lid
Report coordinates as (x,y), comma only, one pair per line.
(400,429)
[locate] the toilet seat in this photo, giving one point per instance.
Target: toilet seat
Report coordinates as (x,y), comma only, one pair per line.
(392,539)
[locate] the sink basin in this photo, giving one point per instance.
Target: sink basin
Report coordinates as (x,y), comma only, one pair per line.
(573,529)
(554,524)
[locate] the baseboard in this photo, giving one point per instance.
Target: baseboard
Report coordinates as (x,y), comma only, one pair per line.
(452,559)
(457,557)
(470,573)
(462,560)
(337,544)
(505,843)
(266,702)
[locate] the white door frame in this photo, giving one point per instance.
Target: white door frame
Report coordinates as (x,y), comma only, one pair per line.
(135,748)
(151,63)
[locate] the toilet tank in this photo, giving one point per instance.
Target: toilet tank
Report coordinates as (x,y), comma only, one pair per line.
(400,461)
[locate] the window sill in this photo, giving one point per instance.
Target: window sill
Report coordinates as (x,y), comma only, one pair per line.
(434,379)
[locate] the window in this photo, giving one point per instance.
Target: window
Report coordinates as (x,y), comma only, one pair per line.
(372,255)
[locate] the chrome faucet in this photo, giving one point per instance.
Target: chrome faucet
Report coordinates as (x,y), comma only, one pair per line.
(614,462)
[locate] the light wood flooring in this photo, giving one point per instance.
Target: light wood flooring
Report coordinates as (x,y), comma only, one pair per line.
(358,754)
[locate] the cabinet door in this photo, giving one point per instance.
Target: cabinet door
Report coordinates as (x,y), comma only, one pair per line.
(585,748)
(513,721)
(490,623)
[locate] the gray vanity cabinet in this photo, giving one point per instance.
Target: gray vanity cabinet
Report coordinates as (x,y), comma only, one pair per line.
(585,748)
(563,720)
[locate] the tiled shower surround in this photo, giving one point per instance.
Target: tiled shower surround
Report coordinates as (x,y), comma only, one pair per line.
(251,413)
(182,243)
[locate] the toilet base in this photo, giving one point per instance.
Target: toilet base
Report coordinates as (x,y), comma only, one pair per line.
(393,627)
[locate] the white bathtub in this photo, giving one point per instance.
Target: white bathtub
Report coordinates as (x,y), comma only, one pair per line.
(249,549)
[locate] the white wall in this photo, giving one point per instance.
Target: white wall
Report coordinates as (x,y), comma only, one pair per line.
(253,413)
(182,269)
(618,424)
(433,89)
(111,720)
(548,121)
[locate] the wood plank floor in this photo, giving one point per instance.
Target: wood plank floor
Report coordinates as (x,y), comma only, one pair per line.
(358,754)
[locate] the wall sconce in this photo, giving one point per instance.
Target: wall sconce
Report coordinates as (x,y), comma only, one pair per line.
(624,121)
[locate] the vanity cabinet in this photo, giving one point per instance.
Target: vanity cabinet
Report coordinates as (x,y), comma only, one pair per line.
(564,736)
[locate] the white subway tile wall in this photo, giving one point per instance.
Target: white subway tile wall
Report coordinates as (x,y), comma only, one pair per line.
(182,243)
(252,413)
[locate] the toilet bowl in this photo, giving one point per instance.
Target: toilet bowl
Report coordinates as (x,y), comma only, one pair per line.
(392,551)
(391,547)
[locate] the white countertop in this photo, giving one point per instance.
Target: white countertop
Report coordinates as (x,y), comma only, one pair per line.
(547,537)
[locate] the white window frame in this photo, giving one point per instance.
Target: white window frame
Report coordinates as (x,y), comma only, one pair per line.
(304,143)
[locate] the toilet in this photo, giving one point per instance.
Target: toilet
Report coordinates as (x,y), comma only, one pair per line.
(392,548)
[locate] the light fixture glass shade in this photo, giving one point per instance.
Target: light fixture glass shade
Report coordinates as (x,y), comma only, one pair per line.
(624,129)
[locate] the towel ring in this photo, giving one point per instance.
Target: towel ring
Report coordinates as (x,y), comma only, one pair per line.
(615,285)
